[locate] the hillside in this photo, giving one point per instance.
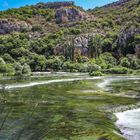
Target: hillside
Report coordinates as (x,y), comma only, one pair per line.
(61,36)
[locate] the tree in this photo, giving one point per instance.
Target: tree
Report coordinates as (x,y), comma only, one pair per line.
(26,70)
(18,69)
(6,69)
(7,58)
(125,62)
(38,62)
(106,60)
(2,62)
(107,45)
(95,46)
(68,47)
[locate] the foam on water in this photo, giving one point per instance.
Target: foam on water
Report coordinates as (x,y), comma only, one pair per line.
(107,80)
(13,86)
(129,123)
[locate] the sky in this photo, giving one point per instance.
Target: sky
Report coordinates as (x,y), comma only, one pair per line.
(86,4)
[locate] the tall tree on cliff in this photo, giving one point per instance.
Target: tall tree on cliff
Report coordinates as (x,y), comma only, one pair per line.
(95,43)
(68,47)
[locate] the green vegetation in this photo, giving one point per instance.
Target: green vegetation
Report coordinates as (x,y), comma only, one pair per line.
(113,40)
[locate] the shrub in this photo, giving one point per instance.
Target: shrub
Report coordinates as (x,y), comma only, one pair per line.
(7,58)
(36,28)
(93,67)
(118,70)
(7,69)
(125,62)
(2,62)
(26,70)
(106,61)
(96,73)
(18,69)
(130,61)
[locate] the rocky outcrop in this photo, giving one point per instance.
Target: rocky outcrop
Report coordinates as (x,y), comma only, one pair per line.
(8,26)
(66,12)
(80,44)
(127,34)
(126,38)
(69,14)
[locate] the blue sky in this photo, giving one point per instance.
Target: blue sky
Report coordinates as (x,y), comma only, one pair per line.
(5,4)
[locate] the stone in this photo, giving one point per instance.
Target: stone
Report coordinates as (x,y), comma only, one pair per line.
(69,14)
(8,26)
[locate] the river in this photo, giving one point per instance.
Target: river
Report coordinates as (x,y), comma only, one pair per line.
(63,107)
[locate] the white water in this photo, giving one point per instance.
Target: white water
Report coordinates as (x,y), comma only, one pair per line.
(58,74)
(129,123)
(13,86)
(107,80)
(103,85)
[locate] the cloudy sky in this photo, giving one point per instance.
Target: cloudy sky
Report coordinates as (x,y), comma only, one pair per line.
(5,4)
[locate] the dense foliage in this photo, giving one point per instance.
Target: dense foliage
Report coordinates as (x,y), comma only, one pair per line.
(112,40)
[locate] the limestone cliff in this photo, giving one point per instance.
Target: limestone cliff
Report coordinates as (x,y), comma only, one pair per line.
(9,25)
(69,14)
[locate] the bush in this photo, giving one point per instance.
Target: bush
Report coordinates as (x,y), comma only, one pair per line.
(22,70)
(6,69)
(26,70)
(96,73)
(130,61)
(55,63)
(118,70)
(106,61)
(125,62)
(18,69)
(7,58)
(93,67)
(36,28)
(2,62)
(136,72)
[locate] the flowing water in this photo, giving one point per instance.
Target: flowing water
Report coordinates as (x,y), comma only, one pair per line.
(129,123)
(64,107)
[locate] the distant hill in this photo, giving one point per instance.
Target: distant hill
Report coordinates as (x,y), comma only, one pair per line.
(46,29)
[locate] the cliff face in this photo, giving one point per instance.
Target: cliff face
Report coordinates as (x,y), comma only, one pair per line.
(126,40)
(8,26)
(81,43)
(69,14)
(80,46)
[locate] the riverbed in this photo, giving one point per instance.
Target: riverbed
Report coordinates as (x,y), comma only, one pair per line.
(65,107)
